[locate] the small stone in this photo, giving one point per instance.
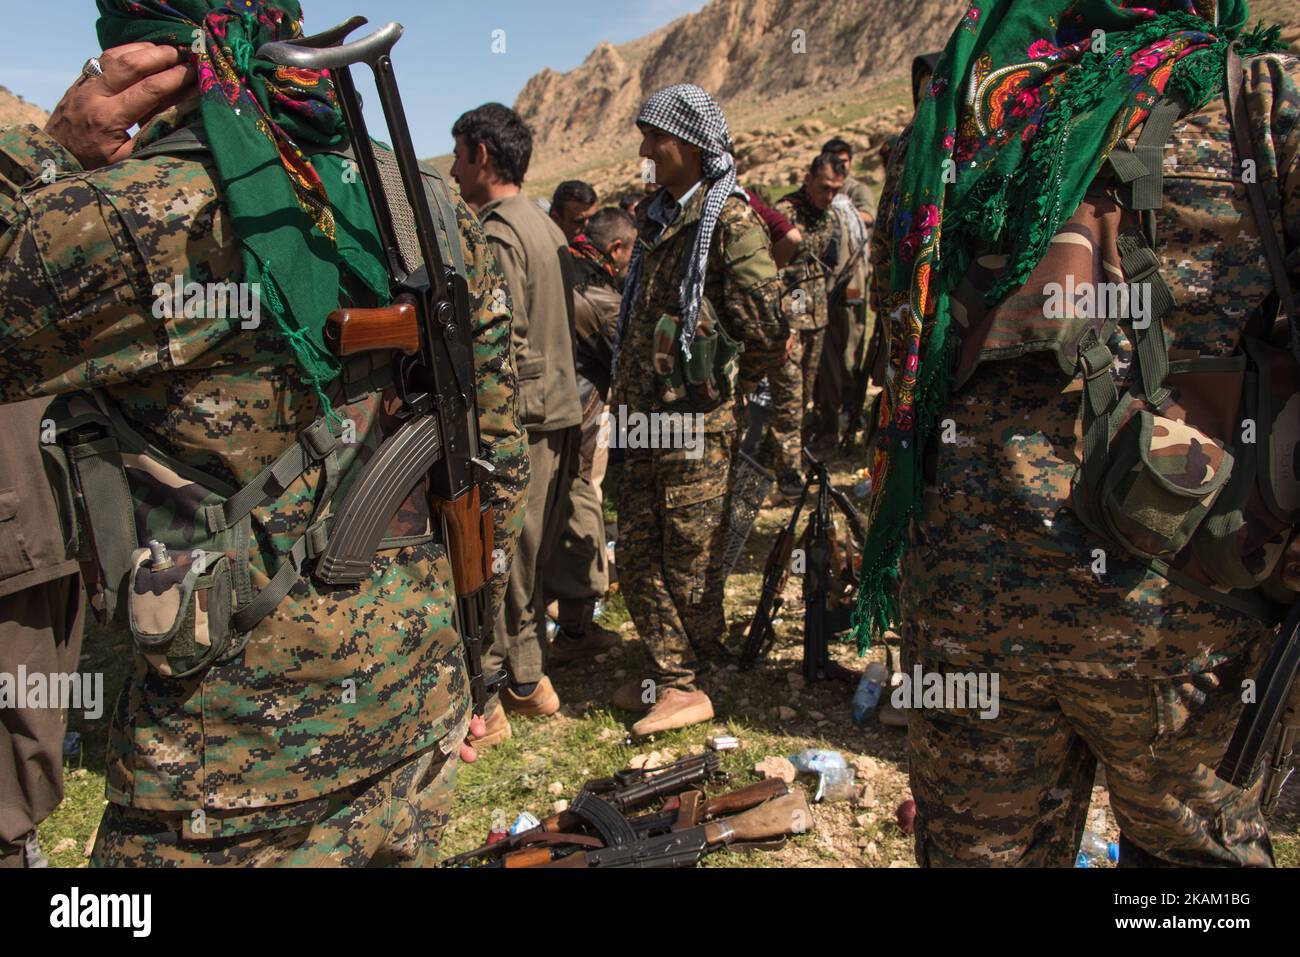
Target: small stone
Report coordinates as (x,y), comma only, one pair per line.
(695,749)
(871,849)
(816,715)
(602,658)
(863,820)
(866,796)
(794,679)
(865,766)
(638,762)
(555,787)
(620,673)
(786,714)
(775,767)
(560,806)
(901,863)
(607,733)
(863,841)
(64,846)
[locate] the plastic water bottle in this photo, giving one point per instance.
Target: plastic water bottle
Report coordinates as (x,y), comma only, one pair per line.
(867,697)
(1095,849)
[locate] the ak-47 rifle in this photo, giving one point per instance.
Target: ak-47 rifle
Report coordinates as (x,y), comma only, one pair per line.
(623,792)
(1269,711)
(680,813)
(773,820)
(761,634)
(428,331)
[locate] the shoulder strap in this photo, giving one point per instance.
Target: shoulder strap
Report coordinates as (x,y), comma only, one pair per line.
(1239,114)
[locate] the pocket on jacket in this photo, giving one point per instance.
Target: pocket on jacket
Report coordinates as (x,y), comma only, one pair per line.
(14,558)
(532,391)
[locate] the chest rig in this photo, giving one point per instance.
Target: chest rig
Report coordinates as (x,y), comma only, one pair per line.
(165,547)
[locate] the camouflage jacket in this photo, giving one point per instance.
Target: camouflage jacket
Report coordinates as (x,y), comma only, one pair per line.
(742,284)
(864,200)
(1001,573)
(804,301)
(336,685)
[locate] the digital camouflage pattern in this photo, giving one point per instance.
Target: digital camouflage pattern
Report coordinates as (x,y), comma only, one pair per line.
(394,819)
(806,307)
(672,508)
(672,534)
(742,286)
(338,685)
(1001,575)
(1015,790)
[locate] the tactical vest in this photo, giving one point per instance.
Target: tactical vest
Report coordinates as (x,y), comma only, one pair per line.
(166,547)
(1192,468)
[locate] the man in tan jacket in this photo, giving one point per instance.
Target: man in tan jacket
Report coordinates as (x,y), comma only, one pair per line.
(42,609)
(493,148)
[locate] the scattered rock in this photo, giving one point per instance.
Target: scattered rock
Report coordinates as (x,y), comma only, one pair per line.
(620,673)
(871,849)
(775,767)
(866,766)
(560,806)
(555,787)
(695,749)
(64,846)
(638,762)
(602,658)
(607,734)
(866,796)
(864,842)
(816,715)
(862,820)
(786,714)
(794,679)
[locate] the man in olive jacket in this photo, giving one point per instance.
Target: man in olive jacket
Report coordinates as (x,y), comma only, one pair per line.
(493,147)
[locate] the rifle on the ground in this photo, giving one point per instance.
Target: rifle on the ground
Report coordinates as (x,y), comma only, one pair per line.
(623,792)
(1267,715)
(688,810)
(428,330)
(770,821)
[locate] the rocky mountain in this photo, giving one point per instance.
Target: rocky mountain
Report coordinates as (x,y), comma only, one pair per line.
(789,73)
(15,110)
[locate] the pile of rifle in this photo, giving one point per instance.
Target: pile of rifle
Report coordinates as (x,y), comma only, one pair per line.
(596,830)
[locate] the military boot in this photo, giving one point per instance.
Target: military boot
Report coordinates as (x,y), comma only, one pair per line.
(593,641)
(631,697)
(539,703)
(498,729)
(675,709)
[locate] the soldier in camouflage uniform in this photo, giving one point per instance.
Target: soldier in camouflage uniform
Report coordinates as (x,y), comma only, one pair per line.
(333,736)
(1101,658)
(804,303)
(703,252)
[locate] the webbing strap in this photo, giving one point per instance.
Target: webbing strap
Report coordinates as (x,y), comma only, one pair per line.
(1099,398)
(289,571)
(1141,265)
(315,443)
(1149,190)
(98,467)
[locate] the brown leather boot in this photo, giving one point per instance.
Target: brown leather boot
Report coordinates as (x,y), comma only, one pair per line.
(498,729)
(593,641)
(542,702)
(675,709)
(631,697)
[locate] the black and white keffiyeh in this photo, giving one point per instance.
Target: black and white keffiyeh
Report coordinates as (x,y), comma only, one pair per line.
(692,115)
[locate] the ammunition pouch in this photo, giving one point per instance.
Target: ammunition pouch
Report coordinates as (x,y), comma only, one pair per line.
(708,378)
(168,546)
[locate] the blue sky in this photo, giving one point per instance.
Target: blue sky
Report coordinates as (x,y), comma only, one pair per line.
(445,64)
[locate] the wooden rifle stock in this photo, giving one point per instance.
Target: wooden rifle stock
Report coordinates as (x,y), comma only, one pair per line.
(788,814)
(353,331)
(469,539)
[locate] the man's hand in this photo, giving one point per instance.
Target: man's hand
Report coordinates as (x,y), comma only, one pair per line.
(140,81)
(790,344)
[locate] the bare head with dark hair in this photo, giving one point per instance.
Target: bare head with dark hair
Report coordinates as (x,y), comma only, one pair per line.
(493,149)
(838,147)
(613,232)
(825,178)
(572,205)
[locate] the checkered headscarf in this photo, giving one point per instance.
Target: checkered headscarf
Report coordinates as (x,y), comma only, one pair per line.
(690,114)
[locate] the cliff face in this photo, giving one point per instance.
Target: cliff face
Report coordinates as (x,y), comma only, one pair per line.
(773,64)
(14,110)
(748,53)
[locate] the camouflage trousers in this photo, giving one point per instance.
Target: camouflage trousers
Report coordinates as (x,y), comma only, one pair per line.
(672,513)
(1014,790)
(792,395)
(394,819)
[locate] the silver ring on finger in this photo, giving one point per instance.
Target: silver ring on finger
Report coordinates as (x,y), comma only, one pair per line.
(92,69)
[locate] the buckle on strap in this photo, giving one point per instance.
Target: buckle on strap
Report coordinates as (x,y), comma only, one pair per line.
(1095,359)
(317,440)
